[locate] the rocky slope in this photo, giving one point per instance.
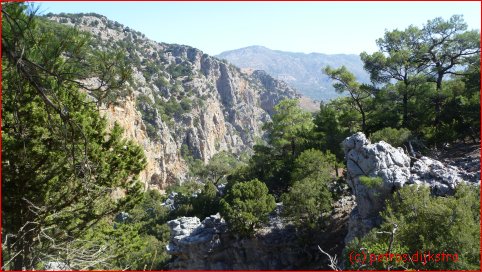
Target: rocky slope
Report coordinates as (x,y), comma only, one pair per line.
(299,70)
(181,102)
(209,245)
(396,169)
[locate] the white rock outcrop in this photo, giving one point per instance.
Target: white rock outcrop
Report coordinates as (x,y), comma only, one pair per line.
(392,165)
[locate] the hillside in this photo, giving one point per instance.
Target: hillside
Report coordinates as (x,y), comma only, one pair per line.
(182,103)
(299,70)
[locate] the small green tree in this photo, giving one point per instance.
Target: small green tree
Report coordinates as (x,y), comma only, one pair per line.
(290,127)
(246,206)
(329,132)
(397,59)
(61,166)
(309,197)
(221,165)
(359,93)
(206,203)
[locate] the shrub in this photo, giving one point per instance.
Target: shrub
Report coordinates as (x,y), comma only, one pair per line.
(425,223)
(371,182)
(309,196)
(207,202)
(306,201)
(393,136)
(161,82)
(246,206)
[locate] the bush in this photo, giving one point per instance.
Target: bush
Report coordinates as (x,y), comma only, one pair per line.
(425,223)
(186,104)
(207,202)
(246,206)
(306,201)
(161,82)
(309,196)
(393,136)
(179,70)
(371,182)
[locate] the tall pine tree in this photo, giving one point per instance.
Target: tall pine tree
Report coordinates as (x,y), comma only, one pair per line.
(62,170)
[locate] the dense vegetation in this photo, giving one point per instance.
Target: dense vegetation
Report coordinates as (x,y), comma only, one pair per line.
(424,80)
(63,171)
(423,223)
(70,190)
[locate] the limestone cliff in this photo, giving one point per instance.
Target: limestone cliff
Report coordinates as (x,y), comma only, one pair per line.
(394,169)
(181,102)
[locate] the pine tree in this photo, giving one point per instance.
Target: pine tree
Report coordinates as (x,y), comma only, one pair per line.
(62,170)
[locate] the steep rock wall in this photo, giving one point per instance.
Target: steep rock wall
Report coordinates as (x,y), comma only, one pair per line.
(180,99)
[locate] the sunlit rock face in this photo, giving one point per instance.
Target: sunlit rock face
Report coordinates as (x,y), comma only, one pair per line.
(392,166)
(181,99)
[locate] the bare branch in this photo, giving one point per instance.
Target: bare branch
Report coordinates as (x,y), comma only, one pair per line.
(333,261)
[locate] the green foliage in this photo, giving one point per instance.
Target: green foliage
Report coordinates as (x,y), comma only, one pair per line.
(185,188)
(313,163)
(54,143)
(371,182)
(360,94)
(269,165)
(161,82)
(149,116)
(186,104)
(288,135)
(207,202)
(220,166)
(396,60)
(393,136)
(136,242)
(151,215)
(246,206)
(329,130)
(195,199)
(178,70)
(159,108)
(289,127)
(424,100)
(85,59)
(309,196)
(429,223)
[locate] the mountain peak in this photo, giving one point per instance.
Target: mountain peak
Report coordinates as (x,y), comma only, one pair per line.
(300,70)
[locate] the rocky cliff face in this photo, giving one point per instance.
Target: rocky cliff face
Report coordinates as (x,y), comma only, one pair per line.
(275,90)
(180,101)
(392,165)
(208,245)
(299,70)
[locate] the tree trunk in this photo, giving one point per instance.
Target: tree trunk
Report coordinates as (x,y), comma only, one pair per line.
(362,112)
(405,108)
(364,126)
(438,98)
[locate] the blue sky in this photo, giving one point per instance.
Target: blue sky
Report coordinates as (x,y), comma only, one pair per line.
(324,27)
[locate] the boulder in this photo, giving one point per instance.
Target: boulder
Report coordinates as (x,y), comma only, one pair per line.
(442,179)
(208,245)
(381,160)
(392,165)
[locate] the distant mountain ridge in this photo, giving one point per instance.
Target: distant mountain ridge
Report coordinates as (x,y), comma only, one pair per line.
(300,70)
